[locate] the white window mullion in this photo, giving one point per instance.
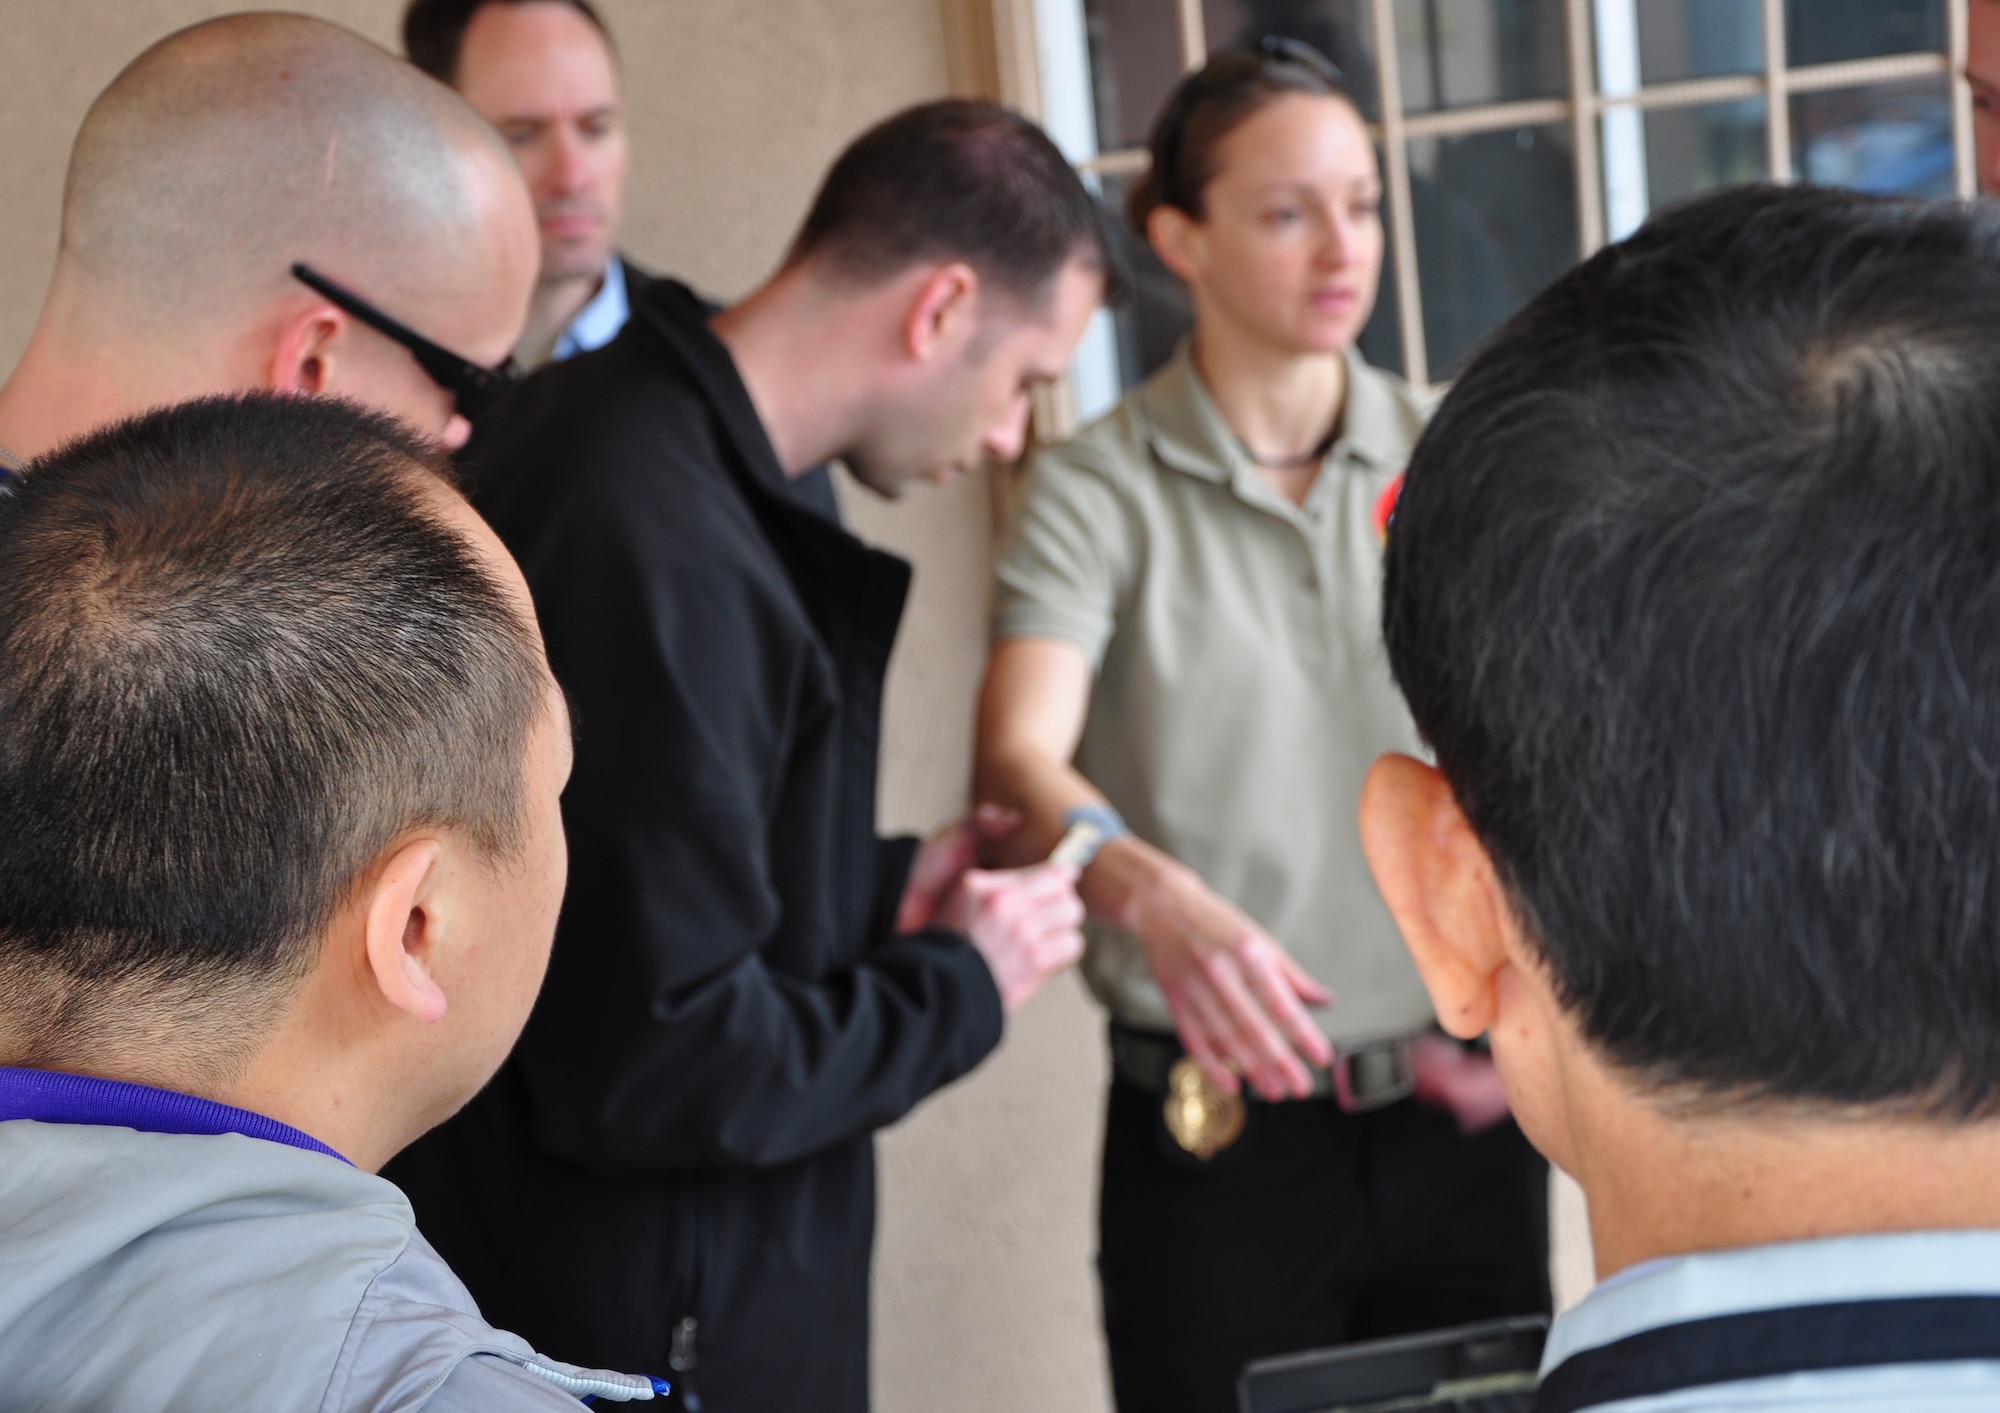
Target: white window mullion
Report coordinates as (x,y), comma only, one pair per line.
(1062,48)
(1194,34)
(1402,217)
(1777,94)
(1626,197)
(1965,179)
(1577,27)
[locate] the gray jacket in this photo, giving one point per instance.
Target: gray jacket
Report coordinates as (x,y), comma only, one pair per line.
(145,1271)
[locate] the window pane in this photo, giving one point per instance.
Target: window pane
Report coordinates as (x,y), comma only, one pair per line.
(1690,150)
(1825,31)
(1135,53)
(1135,57)
(1153,319)
(1496,220)
(1339,29)
(1457,53)
(1691,39)
(1888,138)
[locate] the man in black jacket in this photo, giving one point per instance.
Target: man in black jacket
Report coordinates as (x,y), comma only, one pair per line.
(676,1165)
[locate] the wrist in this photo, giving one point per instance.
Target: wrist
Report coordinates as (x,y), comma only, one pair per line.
(1125,873)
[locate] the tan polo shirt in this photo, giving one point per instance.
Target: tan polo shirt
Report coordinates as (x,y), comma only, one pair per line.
(1241,686)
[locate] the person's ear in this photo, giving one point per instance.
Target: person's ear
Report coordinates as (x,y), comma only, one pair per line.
(1176,239)
(1440,887)
(401,924)
(944,314)
(302,361)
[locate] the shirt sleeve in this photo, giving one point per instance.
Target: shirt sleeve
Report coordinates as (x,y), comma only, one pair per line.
(665,1037)
(1067,557)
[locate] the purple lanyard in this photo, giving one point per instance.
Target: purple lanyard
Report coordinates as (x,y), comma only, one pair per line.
(51,1098)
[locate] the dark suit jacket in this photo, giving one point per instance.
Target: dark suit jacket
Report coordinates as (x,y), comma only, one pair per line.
(683,1132)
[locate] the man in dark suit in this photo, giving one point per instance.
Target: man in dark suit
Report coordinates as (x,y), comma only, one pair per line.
(1693,590)
(747,983)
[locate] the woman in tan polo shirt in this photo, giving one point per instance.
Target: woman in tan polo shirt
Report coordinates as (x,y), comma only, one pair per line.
(1187,643)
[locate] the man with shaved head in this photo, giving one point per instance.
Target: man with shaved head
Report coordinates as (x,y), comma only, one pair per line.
(245,204)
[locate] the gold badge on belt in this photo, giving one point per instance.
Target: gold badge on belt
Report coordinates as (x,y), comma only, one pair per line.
(1203,1118)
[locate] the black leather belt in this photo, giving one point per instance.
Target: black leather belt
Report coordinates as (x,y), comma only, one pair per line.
(1363,1076)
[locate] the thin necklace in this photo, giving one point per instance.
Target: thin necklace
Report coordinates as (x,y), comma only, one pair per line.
(1293,463)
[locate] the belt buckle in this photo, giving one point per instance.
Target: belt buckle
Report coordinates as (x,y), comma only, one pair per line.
(1202,1117)
(1373,1075)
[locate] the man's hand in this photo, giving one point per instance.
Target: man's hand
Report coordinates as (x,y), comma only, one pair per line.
(1237,997)
(945,857)
(1026,922)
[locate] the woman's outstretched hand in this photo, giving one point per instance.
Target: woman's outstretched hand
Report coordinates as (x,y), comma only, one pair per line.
(1237,998)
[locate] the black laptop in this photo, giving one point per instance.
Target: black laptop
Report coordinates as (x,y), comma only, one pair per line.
(1486,1368)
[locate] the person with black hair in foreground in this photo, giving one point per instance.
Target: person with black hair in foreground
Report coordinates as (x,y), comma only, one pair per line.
(747,982)
(1694,588)
(280,856)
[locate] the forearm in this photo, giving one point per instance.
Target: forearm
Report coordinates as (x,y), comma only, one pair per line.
(1041,787)
(1126,876)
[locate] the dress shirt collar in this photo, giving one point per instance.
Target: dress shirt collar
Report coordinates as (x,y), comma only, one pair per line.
(599,321)
(1679,1289)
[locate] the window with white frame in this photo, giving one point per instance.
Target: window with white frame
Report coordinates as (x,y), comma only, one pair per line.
(1519,135)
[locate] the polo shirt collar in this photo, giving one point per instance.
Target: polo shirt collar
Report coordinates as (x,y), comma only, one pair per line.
(1189,432)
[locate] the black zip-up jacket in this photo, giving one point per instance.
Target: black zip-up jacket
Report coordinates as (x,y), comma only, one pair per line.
(674,1171)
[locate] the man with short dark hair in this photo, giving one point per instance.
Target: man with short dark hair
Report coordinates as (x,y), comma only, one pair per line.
(280,858)
(545,73)
(1693,589)
(215,167)
(747,983)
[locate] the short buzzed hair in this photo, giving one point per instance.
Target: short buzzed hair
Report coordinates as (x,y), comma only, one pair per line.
(956,180)
(234,147)
(240,654)
(434,31)
(1694,588)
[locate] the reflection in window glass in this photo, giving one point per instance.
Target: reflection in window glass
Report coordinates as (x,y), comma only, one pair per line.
(1456,53)
(1339,29)
(1827,31)
(1694,39)
(1157,313)
(1496,220)
(1691,150)
(1135,57)
(1494,213)
(1890,138)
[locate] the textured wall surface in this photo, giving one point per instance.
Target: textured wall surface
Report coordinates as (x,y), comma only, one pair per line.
(983,1288)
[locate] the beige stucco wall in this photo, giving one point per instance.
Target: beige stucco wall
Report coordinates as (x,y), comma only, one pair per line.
(983,1288)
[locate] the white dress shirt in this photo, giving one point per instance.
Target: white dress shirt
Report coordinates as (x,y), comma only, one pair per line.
(599,321)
